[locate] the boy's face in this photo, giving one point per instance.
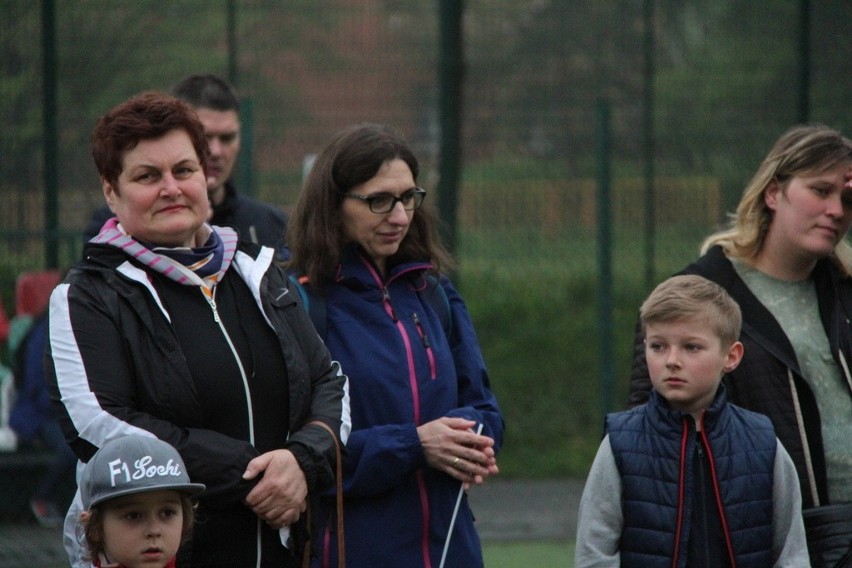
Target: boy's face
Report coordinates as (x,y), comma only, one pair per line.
(143,530)
(686,361)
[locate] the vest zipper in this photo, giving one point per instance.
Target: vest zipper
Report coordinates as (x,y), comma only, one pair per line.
(701,497)
(684,437)
(717,493)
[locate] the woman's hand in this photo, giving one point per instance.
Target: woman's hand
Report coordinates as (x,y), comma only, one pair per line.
(450,445)
(280,497)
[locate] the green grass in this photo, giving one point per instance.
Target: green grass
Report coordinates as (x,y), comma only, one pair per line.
(535,554)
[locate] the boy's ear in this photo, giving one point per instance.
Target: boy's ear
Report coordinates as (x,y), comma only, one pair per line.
(735,355)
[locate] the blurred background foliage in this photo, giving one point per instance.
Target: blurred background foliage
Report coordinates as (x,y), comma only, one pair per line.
(698,91)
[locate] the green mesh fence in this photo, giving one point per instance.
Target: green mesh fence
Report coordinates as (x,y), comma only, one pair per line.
(723,82)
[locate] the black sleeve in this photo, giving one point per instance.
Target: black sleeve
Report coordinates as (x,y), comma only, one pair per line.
(640,381)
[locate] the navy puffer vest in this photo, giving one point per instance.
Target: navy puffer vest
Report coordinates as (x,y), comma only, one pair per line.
(651,442)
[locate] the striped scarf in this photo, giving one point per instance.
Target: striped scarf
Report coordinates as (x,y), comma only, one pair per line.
(202,266)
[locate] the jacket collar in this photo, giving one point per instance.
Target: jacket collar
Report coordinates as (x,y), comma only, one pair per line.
(357,270)
(716,266)
(834,296)
(673,419)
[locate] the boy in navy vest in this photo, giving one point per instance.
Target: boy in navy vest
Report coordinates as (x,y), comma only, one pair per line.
(689,479)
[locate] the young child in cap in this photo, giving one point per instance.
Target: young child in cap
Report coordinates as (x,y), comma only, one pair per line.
(138,506)
(688,479)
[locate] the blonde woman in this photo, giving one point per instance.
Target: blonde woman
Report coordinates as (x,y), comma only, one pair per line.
(785,261)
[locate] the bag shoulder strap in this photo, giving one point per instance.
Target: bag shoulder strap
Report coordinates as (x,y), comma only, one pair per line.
(341,541)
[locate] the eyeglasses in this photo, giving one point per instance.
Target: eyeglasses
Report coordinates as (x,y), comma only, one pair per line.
(385,202)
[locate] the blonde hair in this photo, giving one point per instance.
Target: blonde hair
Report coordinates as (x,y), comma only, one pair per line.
(689,296)
(802,150)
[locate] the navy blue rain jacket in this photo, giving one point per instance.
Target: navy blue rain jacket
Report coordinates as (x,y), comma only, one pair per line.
(403,373)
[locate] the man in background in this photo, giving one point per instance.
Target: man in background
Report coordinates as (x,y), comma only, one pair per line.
(218,109)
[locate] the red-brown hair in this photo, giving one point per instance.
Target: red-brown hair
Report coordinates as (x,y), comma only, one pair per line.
(148,115)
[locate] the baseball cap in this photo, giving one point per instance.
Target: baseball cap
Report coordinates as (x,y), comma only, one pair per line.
(133,464)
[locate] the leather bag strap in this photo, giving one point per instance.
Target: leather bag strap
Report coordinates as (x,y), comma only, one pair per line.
(341,549)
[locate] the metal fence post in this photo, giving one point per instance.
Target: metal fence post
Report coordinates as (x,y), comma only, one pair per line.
(604,230)
(51,146)
(245,159)
(450,100)
(648,145)
(804,60)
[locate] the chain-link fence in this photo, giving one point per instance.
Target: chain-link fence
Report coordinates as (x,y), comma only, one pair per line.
(725,83)
(698,91)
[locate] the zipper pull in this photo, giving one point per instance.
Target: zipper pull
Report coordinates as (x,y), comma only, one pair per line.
(388,305)
(422,332)
(212,302)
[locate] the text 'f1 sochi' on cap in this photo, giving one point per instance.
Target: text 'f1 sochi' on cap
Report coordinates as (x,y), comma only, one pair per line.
(133,464)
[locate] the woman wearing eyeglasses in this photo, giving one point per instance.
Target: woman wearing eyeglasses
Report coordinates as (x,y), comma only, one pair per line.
(419,388)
